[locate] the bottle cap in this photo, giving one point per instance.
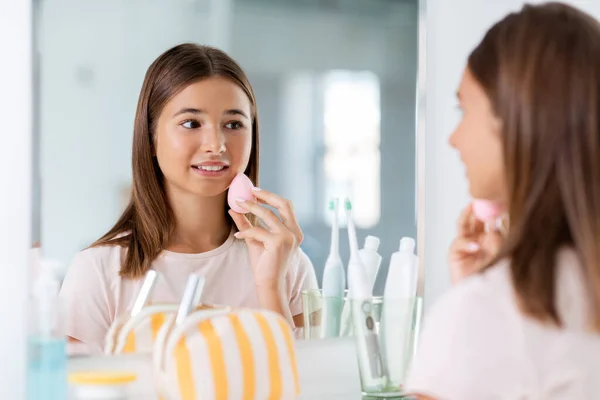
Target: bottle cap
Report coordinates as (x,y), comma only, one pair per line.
(101,378)
(371,243)
(407,244)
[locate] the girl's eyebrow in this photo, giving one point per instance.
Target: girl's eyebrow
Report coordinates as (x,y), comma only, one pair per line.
(233,111)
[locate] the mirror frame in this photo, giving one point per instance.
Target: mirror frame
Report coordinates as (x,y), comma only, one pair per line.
(420,132)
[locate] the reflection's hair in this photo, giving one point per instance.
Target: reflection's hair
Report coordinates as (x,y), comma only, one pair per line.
(147,224)
(540,68)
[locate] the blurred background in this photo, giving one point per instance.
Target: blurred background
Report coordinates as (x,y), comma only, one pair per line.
(335,82)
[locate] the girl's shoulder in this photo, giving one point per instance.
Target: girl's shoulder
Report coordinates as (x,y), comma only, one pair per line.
(99,260)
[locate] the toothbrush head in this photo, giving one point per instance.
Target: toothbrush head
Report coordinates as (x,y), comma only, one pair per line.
(347,204)
(333,204)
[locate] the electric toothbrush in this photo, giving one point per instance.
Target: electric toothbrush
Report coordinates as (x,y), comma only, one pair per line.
(358,280)
(334,281)
(372,371)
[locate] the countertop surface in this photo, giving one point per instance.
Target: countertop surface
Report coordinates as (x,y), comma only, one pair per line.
(327,369)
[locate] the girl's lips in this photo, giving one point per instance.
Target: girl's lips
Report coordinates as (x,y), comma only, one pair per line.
(210,172)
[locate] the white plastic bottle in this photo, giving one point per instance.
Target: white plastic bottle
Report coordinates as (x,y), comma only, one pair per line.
(47,356)
(398,303)
(371,258)
(371,261)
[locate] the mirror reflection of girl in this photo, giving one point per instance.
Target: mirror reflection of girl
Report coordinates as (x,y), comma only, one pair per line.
(196,128)
(523,318)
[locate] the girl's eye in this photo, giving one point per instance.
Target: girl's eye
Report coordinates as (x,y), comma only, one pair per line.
(234,125)
(191,124)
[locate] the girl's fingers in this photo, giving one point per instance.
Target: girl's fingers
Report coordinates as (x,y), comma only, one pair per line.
(468,224)
(240,220)
(284,207)
(258,234)
(266,215)
(463,246)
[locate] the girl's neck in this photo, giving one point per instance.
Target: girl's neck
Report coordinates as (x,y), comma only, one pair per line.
(201,223)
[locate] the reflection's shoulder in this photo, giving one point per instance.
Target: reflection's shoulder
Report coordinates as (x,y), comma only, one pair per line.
(487,295)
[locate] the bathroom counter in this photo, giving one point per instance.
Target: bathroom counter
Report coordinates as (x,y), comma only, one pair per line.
(143,388)
(327,369)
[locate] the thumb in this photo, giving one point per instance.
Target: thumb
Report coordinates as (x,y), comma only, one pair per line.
(462,246)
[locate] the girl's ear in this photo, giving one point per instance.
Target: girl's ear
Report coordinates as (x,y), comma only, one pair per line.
(153,144)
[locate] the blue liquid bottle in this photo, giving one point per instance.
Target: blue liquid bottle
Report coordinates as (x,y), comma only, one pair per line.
(46,349)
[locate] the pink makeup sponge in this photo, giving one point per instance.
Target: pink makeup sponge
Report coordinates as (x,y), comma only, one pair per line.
(486,210)
(240,188)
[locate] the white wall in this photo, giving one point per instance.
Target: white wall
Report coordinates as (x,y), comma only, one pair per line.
(309,40)
(15,192)
(454,27)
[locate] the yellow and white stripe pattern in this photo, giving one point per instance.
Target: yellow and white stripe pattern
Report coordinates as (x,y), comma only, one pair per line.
(236,355)
(137,334)
(141,339)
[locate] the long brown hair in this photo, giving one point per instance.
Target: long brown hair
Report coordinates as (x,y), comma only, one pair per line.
(540,68)
(146,226)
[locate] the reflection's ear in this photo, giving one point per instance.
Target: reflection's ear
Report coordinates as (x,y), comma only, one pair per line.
(36,245)
(497,124)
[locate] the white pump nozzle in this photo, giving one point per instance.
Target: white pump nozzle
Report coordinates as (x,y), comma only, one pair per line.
(372,243)
(46,284)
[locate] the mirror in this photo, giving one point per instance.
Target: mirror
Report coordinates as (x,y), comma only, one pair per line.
(335,82)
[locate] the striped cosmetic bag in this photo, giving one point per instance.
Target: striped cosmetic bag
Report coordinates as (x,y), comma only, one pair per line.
(137,334)
(136,331)
(227,355)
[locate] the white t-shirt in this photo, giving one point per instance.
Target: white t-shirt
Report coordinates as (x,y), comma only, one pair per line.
(94,294)
(477,345)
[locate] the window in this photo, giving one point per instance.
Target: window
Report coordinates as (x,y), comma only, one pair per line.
(352,157)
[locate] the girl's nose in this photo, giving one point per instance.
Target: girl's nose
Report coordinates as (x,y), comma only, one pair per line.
(213,141)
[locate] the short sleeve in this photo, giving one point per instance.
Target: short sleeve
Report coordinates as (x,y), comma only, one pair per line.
(85,301)
(467,349)
(303,278)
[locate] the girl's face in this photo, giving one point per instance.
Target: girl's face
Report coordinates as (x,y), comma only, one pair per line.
(478,141)
(203,137)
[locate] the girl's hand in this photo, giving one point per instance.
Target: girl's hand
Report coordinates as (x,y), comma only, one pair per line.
(270,248)
(474,246)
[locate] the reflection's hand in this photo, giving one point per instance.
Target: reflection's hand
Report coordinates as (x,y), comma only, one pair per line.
(270,249)
(474,247)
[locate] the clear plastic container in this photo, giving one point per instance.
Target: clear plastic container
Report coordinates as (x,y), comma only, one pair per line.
(313,302)
(101,385)
(397,353)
